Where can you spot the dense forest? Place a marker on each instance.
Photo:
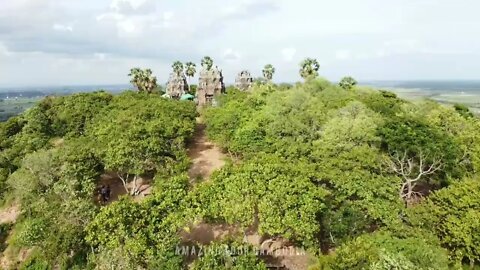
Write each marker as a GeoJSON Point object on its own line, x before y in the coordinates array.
{"type": "Point", "coordinates": [356, 177]}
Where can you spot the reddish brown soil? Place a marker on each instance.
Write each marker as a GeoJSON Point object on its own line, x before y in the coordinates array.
{"type": "Point", "coordinates": [206, 157]}
{"type": "Point", "coordinates": [9, 214]}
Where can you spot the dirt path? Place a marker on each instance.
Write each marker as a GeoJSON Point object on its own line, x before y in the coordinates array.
{"type": "Point", "coordinates": [9, 214]}
{"type": "Point", "coordinates": [206, 157]}
{"type": "Point", "coordinates": [275, 252]}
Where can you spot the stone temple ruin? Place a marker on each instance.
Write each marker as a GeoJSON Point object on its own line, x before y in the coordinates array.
{"type": "Point", "coordinates": [244, 80]}
{"type": "Point", "coordinates": [177, 85]}
{"type": "Point", "coordinates": [210, 84]}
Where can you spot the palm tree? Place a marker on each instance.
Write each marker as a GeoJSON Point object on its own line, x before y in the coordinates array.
{"type": "Point", "coordinates": [309, 68]}
{"type": "Point", "coordinates": [268, 72]}
{"type": "Point", "coordinates": [347, 83]}
{"type": "Point", "coordinates": [207, 62]}
{"type": "Point", "coordinates": [190, 70]}
{"type": "Point", "coordinates": [177, 67]}
{"type": "Point", "coordinates": [143, 79]}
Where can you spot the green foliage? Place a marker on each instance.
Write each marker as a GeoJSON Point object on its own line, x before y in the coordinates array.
{"type": "Point", "coordinates": [142, 233]}
{"type": "Point", "coordinates": [278, 191]}
{"type": "Point", "coordinates": [70, 115]}
{"type": "Point", "coordinates": [35, 262]}
{"type": "Point", "coordinates": [207, 62]}
{"type": "Point", "coordinates": [190, 69]}
{"type": "Point", "coordinates": [10, 128]}
{"type": "Point", "coordinates": [383, 102]}
{"type": "Point", "coordinates": [463, 110]}
{"type": "Point", "coordinates": [347, 83]}
{"type": "Point", "coordinates": [454, 215]}
{"type": "Point", "coordinates": [349, 163]}
{"type": "Point", "coordinates": [229, 255]}
{"type": "Point", "coordinates": [462, 130]}
{"type": "Point", "coordinates": [223, 121]}
{"type": "Point", "coordinates": [421, 142]}
{"type": "Point", "coordinates": [31, 232]}
{"type": "Point", "coordinates": [309, 68]}
{"type": "Point", "coordinates": [268, 72]}
{"type": "Point", "coordinates": [385, 251]}
{"type": "Point", "coordinates": [282, 123]}
{"type": "Point", "coordinates": [177, 67]}
{"type": "Point", "coordinates": [52, 158]}
{"type": "Point", "coordinates": [193, 89]}
{"type": "Point", "coordinates": [107, 259]}
{"type": "Point", "coordinates": [140, 134]}
{"type": "Point", "coordinates": [345, 142]}
{"type": "Point", "coordinates": [55, 189]}
{"type": "Point", "coordinates": [143, 80]}
{"type": "Point", "coordinates": [4, 232]}
{"type": "Point", "coordinates": [311, 164]}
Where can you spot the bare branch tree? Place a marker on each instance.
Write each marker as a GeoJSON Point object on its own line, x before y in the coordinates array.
{"type": "Point", "coordinates": [134, 191]}
{"type": "Point", "coordinates": [412, 170]}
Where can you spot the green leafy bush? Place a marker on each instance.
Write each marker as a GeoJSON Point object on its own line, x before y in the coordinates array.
{"type": "Point", "coordinates": [384, 251]}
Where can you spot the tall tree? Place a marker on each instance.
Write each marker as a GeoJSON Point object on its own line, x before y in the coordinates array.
{"type": "Point", "coordinates": [453, 214]}
{"type": "Point", "coordinates": [190, 70]}
{"type": "Point", "coordinates": [418, 151]}
{"type": "Point", "coordinates": [143, 80]}
{"type": "Point", "coordinates": [309, 68]}
{"type": "Point", "coordinates": [207, 62]}
{"type": "Point", "coordinates": [131, 147]}
{"type": "Point", "coordinates": [268, 72]}
{"type": "Point", "coordinates": [347, 83]}
{"type": "Point", "coordinates": [177, 67]}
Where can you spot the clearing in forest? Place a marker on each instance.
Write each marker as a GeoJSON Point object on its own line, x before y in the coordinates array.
{"type": "Point", "coordinates": [9, 214]}
{"type": "Point", "coordinates": [205, 156]}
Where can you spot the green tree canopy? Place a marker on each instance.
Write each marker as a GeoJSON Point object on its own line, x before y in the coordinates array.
{"type": "Point", "coordinates": [309, 68]}
{"type": "Point", "coordinates": [138, 134]}
{"type": "Point", "coordinates": [207, 62]}
{"type": "Point", "coordinates": [453, 214]}
{"type": "Point", "coordinates": [177, 67]}
{"type": "Point", "coordinates": [268, 72]}
{"type": "Point", "coordinates": [347, 83]}
{"type": "Point", "coordinates": [383, 251]}
{"type": "Point", "coordinates": [143, 80]}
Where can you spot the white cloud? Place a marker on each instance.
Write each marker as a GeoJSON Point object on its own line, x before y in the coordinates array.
{"type": "Point", "coordinates": [100, 56]}
{"type": "Point", "coordinates": [62, 27]}
{"type": "Point", "coordinates": [248, 9]}
{"type": "Point", "coordinates": [133, 6]}
{"type": "Point", "coordinates": [404, 37]}
{"type": "Point", "coordinates": [288, 54]}
{"type": "Point", "coordinates": [127, 26]}
{"type": "Point", "coordinates": [109, 16]}
{"type": "Point", "coordinates": [166, 20]}
{"type": "Point", "coordinates": [362, 56]}
{"type": "Point", "coordinates": [343, 54]}
{"type": "Point", "coordinates": [230, 54]}
{"type": "Point", "coordinates": [168, 15]}
{"type": "Point", "coordinates": [4, 51]}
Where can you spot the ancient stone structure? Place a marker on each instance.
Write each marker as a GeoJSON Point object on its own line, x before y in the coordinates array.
{"type": "Point", "coordinates": [210, 84]}
{"type": "Point", "coordinates": [244, 80]}
{"type": "Point", "coordinates": [177, 85]}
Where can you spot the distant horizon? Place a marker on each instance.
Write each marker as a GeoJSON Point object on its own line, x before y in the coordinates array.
{"type": "Point", "coordinates": [58, 43]}
{"type": "Point", "coordinates": [5, 87]}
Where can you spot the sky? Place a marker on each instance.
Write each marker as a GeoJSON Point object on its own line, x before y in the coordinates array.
{"type": "Point", "coordinates": [78, 42]}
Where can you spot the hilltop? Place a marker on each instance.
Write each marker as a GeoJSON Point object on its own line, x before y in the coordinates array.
{"type": "Point", "coordinates": [316, 175]}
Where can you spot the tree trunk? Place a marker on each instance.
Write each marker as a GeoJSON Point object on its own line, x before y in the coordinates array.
{"type": "Point", "coordinates": [124, 181]}
{"type": "Point", "coordinates": [134, 191]}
